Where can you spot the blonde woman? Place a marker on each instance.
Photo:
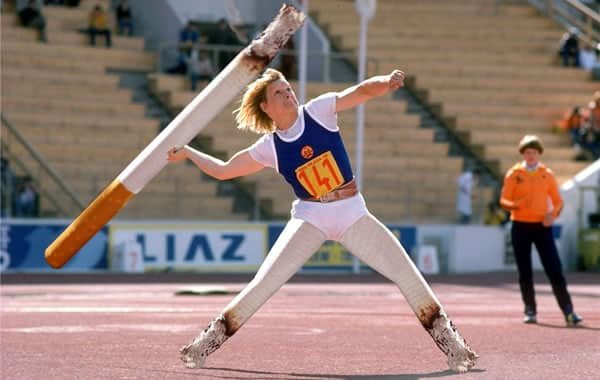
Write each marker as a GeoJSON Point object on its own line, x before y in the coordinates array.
{"type": "Point", "coordinates": [304, 145]}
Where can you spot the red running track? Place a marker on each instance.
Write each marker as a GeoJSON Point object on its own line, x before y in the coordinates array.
{"type": "Point", "coordinates": [98, 327]}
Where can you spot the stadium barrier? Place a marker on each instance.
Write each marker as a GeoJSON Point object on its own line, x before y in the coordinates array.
{"type": "Point", "coordinates": [240, 247]}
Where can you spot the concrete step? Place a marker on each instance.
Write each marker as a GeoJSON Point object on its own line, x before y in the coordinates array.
{"type": "Point", "coordinates": [112, 58]}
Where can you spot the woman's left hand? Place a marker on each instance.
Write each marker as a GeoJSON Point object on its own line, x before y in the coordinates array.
{"type": "Point", "coordinates": [396, 79]}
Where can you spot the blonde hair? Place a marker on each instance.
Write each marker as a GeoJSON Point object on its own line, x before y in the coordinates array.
{"type": "Point", "coordinates": [249, 116]}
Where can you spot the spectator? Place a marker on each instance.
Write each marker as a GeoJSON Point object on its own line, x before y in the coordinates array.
{"type": "Point", "coordinates": [124, 18]}
{"type": "Point", "coordinates": [188, 36]}
{"type": "Point", "coordinates": [223, 35]}
{"type": "Point", "coordinates": [466, 183]}
{"type": "Point", "coordinates": [98, 24]}
{"type": "Point", "coordinates": [575, 125]}
{"type": "Point", "coordinates": [27, 201]}
{"type": "Point", "coordinates": [569, 48]}
{"type": "Point", "coordinates": [7, 188]}
{"type": "Point", "coordinates": [494, 215]}
{"type": "Point", "coordinates": [587, 57]}
{"type": "Point", "coordinates": [595, 111]}
{"type": "Point", "coordinates": [31, 17]}
{"type": "Point", "coordinates": [288, 61]}
{"type": "Point", "coordinates": [592, 141]}
{"type": "Point", "coordinates": [199, 67]}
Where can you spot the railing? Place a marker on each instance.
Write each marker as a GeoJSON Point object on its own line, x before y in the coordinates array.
{"type": "Point", "coordinates": [168, 56]}
{"type": "Point", "coordinates": [60, 196]}
{"type": "Point", "coordinates": [572, 13]}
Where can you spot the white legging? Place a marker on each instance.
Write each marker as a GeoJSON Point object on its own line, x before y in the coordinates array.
{"type": "Point", "coordinates": [367, 238]}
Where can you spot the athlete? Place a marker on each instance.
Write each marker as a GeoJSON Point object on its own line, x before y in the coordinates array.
{"type": "Point", "coordinates": [304, 145]}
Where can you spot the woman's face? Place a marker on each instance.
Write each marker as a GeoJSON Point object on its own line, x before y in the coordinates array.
{"type": "Point", "coordinates": [280, 98]}
{"type": "Point", "coordinates": [531, 156]}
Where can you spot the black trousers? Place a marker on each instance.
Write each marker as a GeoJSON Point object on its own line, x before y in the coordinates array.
{"type": "Point", "coordinates": [93, 32]}
{"type": "Point", "coordinates": [523, 236]}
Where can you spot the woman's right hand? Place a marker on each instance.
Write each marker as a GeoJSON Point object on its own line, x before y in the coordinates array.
{"type": "Point", "coordinates": [176, 154]}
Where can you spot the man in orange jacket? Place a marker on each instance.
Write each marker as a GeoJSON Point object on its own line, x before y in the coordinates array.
{"type": "Point", "coordinates": [527, 187]}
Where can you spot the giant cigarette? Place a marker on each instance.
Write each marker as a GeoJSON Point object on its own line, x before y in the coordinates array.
{"type": "Point", "coordinates": [192, 119]}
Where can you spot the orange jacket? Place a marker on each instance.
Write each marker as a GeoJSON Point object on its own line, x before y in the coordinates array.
{"type": "Point", "coordinates": [526, 194]}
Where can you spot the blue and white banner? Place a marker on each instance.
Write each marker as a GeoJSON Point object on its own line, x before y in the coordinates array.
{"type": "Point", "coordinates": [23, 242]}
{"type": "Point", "coordinates": [209, 247]}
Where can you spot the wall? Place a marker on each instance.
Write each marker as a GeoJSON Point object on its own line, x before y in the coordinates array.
{"type": "Point", "coordinates": [236, 247]}
{"type": "Point", "coordinates": [156, 21]}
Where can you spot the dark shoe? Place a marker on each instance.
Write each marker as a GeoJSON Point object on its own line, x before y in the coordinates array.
{"type": "Point", "coordinates": [530, 318]}
{"type": "Point", "coordinates": [573, 319]}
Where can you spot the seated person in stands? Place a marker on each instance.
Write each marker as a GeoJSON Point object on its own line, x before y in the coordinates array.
{"type": "Point", "coordinates": [124, 18]}
{"type": "Point", "coordinates": [588, 58]}
{"type": "Point", "coordinates": [27, 201]}
{"type": "Point", "coordinates": [31, 17]}
{"type": "Point", "coordinates": [7, 188]}
{"type": "Point", "coordinates": [288, 61]}
{"type": "Point", "coordinates": [224, 35]}
{"type": "Point", "coordinates": [569, 48]}
{"type": "Point", "coordinates": [593, 135]}
{"type": "Point", "coordinates": [575, 125]}
{"type": "Point", "coordinates": [98, 24]}
{"type": "Point", "coordinates": [199, 67]}
{"type": "Point", "coordinates": [188, 36]}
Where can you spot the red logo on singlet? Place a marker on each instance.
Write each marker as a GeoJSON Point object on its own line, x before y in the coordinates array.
{"type": "Point", "coordinates": [307, 152]}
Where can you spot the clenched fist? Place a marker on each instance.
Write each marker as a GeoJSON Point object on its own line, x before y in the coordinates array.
{"type": "Point", "coordinates": [176, 154]}
{"type": "Point", "coordinates": [396, 79]}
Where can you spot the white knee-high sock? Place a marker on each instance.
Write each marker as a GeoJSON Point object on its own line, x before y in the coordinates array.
{"type": "Point", "coordinates": [298, 241]}
{"type": "Point", "coordinates": [374, 244]}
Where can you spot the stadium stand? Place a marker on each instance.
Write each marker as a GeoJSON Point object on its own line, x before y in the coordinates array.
{"type": "Point", "coordinates": [71, 110]}
{"type": "Point", "coordinates": [489, 68]}
{"type": "Point", "coordinates": [485, 80]}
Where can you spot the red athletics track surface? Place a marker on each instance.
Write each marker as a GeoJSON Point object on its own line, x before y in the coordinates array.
{"type": "Point", "coordinates": [315, 327]}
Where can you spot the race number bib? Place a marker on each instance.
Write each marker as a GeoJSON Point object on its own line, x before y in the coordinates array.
{"type": "Point", "coordinates": [320, 175]}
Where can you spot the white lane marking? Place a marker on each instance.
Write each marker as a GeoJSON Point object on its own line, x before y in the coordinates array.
{"type": "Point", "coordinates": [104, 309]}
{"type": "Point", "coordinates": [313, 331]}
{"type": "Point", "coordinates": [103, 328]}
{"type": "Point", "coordinates": [148, 327]}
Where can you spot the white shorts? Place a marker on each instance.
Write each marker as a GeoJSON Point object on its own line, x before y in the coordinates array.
{"type": "Point", "coordinates": [332, 218]}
